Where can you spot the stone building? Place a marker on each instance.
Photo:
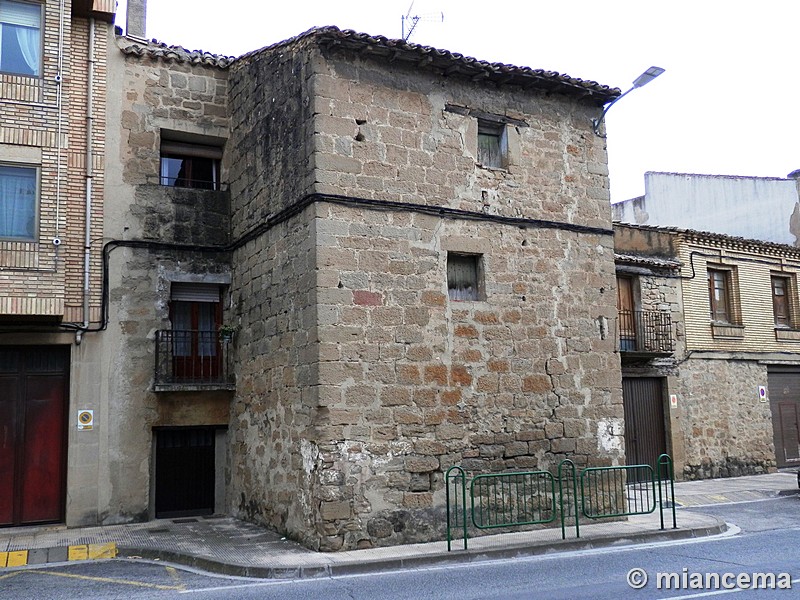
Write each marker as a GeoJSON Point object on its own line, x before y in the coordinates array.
{"type": "Point", "coordinates": [414, 249]}
{"type": "Point", "coordinates": [313, 278]}
{"type": "Point", "coordinates": [52, 163]}
{"type": "Point", "coordinates": [734, 375]}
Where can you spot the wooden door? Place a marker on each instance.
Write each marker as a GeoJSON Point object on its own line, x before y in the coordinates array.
{"type": "Point", "coordinates": [645, 433]}
{"type": "Point", "coordinates": [33, 434]}
{"type": "Point", "coordinates": [627, 321]}
{"type": "Point", "coordinates": [784, 396]}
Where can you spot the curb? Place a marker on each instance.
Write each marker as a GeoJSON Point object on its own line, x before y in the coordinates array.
{"type": "Point", "coordinates": [41, 556]}
{"type": "Point", "coordinates": [444, 558]}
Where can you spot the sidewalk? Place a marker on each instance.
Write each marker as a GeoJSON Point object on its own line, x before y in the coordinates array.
{"type": "Point", "coordinates": [228, 546]}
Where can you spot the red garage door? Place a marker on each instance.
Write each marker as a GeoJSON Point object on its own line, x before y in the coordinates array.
{"type": "Point", "coordinates": [33, 403]}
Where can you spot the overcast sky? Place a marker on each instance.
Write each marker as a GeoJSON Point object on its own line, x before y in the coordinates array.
{"type": "Point", "coordinates": [724, 105]}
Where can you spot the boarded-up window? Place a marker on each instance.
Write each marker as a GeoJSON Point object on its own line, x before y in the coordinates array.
{"type": "Point", "coordinates": [464, 276]}
{"type": "Point", "coordinates": [492, 144]}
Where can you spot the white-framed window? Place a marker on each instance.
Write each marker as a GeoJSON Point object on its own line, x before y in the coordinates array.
{"type": "Point", "coordinates": [20, 37]}
{"type": "Point", "coordinates": [18, 201]}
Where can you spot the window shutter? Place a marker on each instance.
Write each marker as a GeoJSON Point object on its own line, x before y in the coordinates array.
{"type": "Point", "coordinates": [195, 292]}
{"type": "Point", "coordinates": [183, 149]}
{"type": "Point", "coordinates": [20, 13]}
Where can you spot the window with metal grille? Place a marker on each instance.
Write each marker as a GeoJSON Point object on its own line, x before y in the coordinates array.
{"type": "Point", "coordinates": [464, 276]}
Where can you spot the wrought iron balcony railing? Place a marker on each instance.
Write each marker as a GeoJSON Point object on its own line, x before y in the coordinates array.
{"type": "Point", "coordinates": [191, 359]}
{"type": "Point", "coordinates": [645, 332]}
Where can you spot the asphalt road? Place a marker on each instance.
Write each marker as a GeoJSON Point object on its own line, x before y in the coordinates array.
{"type": "Point", "coordinates": [769, 542]}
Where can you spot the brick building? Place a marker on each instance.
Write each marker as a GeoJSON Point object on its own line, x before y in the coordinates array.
{"type": "Point", "coordinates": [734, 374]}
{"type": "Point", "coordinates": [52, 131]}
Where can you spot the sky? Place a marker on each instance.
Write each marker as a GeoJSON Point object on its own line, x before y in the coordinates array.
{"type": "Point", "coordinates": [723, 107]}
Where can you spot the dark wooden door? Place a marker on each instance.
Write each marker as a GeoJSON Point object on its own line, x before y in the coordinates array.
{"type": "Point", "coordinates": [33, 403]}
{"type": "Point", "coordinates": [645, 434]}
{"type": "Point", "coordinates": [185, 471]}
{"type": "Point", "coordinates": [784, 396]}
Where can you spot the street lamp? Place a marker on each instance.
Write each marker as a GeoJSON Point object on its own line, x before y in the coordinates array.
{"type": "Point", "coordinates": [640, 81]}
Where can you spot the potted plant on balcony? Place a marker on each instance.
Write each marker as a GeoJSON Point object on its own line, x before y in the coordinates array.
{"type": "Point", "coordinates": [226, 332]}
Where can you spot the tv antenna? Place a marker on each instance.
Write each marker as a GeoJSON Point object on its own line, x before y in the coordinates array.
{"type": "Point", "coordinates": [408, 22]}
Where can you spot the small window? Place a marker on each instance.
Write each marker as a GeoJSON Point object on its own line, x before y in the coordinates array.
{"type": "Point", "coordinates": [781, 301]}
{"type": "Point", "coordinates": [190, 165]}
{"type": "Point", "coordinates": [720, 295]}
{"type": "Point", "coordinates": [20, 39]}
{"type": "Point", "coordinates": [464, 276]}
{"type": "Point", "coordinates": [18, 202]}
{"type": "Point", "coordinates": [492, 144]}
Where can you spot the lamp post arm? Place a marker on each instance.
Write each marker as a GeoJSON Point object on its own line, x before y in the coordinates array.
{"type": "Point", "coordinates": [596, 123]}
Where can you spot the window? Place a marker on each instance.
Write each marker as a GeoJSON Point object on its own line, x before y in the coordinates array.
{"type": "Point", "coordinates": [464, 276]}
{"type": "Point", "coordinates": [190, 165]}
{"type": "Point", "coordinates": [196, 314]}
{"type": "Point", "coordinates": [719, 295]}
{"type": "Point", "coordinates": [18, 202]}
{"type": "Point", "coordinates": [492, 144]}
{"type": "Point", "coordinates": [20, 43]}
{"type": "Point", "coordinates": [780, 301]}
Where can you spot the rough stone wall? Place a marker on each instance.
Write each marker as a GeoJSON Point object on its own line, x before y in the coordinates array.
{"type": "Point", "coordinates": [359, 381]}
{"type": "Point", "coordinates": [727, 432]}
{"type": "Point", "coordinates": [413, 383]}
{"type": "Point", "coordinates": [276, 393]}
{"type": "Point", "coordinates": [146, 96]}
{"type": "Point", "coordinates": [274, 296]}
{"type": "Point", "coordinates": [270, 151]}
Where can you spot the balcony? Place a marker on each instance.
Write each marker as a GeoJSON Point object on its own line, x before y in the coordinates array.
{"type": "Point", "coordinates": [645, 333]}
{"type": "Point", "coordinates": [192, 361]}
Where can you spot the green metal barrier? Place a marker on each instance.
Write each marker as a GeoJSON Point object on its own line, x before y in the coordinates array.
{"type": "Point", "coordinates": [511, 499]}
{"type": "Point", "coordinates": [617, 491]}
{"type": "Point", "coordinates": [456, 502]}
{"type": "Point", "coordinates": [664, 471]}
{"type": "Point", "coordinates": [568, 509]}
{"type": "Point", "coordinates": [529, 498]}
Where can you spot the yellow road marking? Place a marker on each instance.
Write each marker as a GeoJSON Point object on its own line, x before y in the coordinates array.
{"type": "Point", "coordinates": [10, 575]}
{"type": "Point", "coordinates": [154, 586]}
{"type": "Point", "coordinates": [3, 559]}
{"type": "Point", "coordinates": [173, 573]}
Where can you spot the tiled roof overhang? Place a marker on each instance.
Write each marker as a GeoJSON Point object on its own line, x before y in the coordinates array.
{"type": "Point", "coordinates": [447, 63]}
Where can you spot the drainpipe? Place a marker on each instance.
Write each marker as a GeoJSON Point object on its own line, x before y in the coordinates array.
{"type": "Point", "coordinates": [87, 241]}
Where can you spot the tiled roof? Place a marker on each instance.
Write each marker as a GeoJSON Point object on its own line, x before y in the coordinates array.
{"type": "Point", "coordinates": [443, 62]}
{"type": "Point", "coordinates": [158, 50]}
{"type": "Point", "coordinates": [446, 62]}
{"type": "Point", "coordinates": [652, 261]}
{"type": "Point", "coordinates": [720, 239]}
